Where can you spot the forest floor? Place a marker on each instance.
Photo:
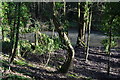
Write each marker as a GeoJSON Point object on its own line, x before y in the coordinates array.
{"type": "Point", "coordinates": [33, 66]}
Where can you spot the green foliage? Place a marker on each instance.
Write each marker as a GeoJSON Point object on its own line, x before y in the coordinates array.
{"type": "Point", "coordinates": [105, 43]}
{"type": "Point", "coordinates": [59, 5]}
{"type": "Point", "coordinates": [20, 62]}
{"type": "Point", "coordinates": [111, 21]}
{"type": "Point", "coordinates": [24, 45]}
{"type": "Point", "coordinates": [4, 62]}
{"type": "Point", "coordinates": [1, 14]}
{"type": "Point", "coordinates": [66, 25]}
{"type": "Point", "coordinates": [73, 75]}
{"type": "Point", "coordinates": [110, 10]}
{"type": "Point", "coordinates": [116, 26]}
{"type": "Point", "coordinates": [47, 44]}
{"type": "Point", "coordinates": [33, 27]}
{"type": "Point", "coordinates": [9, 16]}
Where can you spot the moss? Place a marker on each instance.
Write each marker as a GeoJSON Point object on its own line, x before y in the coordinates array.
{"type": "Point", "coordinates": [73, 75]}
{"type": "Point", "coordinates": [20, 62]}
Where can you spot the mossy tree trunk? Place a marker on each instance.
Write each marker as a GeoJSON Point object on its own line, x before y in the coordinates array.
{"type": "Point", "coordinates": [66, 66]}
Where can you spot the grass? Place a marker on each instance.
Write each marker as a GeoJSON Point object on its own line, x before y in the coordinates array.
{"type": "Point", "coordinates": [22, 63]}
{"type": "Point", "coordinates": [73, 75]}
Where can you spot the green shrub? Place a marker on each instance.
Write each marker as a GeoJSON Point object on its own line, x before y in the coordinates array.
{"type": "Point", "coordinates": [24, 45]}
{"type": "Point", "coordinates": [47, 44]}
{"type": "Point", "coordinates": [105, 43]}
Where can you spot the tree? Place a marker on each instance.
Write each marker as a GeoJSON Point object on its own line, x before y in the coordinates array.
{"type": "Point", "coordinates": [17, 33]}
{"type": "Point", "coordinates": [12, 26]}
{"type": "Point", "coordinates": [66, 66]}
{"type": "Point", "coordinates": [81, 10]}
{"type": "Point", "coordinates": [1, 15]}
{"type": "Point", "coordinates": [89, 20]}
{"type": "Point", "coordinates": [111, 27]}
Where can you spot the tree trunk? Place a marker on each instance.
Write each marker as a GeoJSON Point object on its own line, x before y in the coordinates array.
{"type": "Point", "coordinates": [64, 7]}
{"type": "Point", "coordinates": [66, 30]}
{"type": "Point", "coordinates": [3, 34]}
{"type": "Point", "coordinates": [65, 67]}
{"type": "Point", "coordinates": [36, 10]}
{"type": "Point", "coordinates": [109, 48]}
{"type": "Point", "coordinates": [85, 28]}
{"type": "Point", "coordinates": [88, 37]}
{"type": "Point", "coordinates": [17, 35]}
{"type": "Point", "coordinates": [80, 23]}
{"type": "Point", "coordinates": [36, 38]}
{"type": "Point", "coordinates": [1, 14]}
{"type": "Point", "coordinates": [12, 33]}
{"type": "Point", "coordinates": [86, 23]}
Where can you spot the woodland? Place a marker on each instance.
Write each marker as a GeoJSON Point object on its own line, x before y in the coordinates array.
{"type": "Point", "coordinates": [60, 40]}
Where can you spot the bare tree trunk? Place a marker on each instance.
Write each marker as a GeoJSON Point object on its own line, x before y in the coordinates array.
{"type": "Point", "coordinates": [36, 38]}
{"type": "Point", "coordinates": [36, 10]}
{"type": "Point", "coordinates": [109, 52]}
{"type": "Point", "coordinates": [64, 7]}
{"type": "Point", "coordinates": [1, 13]}
{"type": "Point", "coordinates": [66, 30]}
{"type": "Point", "coordinates": [86, 31]}
{"type": "Point", "coordinates": [88, 37]}
{"type": "Point", "coordinates": [80, 23]}
{"type": "Point", "coordinates": [3, 34]}
{"type": "Point", "coordinates": [109, 48]}
{"type": "Point", "coordinates": [53, 30]}
{"type": "Point", "coordinates": [86, 18]}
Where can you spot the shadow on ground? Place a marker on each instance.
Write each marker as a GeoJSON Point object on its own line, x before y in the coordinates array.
{"type": "Point", "coordinates": [95, 68]}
